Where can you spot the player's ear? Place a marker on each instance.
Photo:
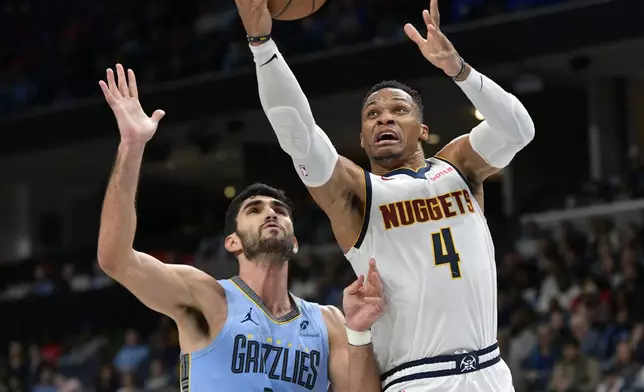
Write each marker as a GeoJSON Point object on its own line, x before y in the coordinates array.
{"type": "Point", "coordinates": [233, 244]}
{"type": "Point", "coordinates": [424, 132]}
{"type": "Point", "coordinates": [361, 140]}
{"type": "Point", "coordinates": [296, 246]}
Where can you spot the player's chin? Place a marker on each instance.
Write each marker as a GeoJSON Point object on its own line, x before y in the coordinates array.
{"type": "Point", "coordinates": [273, 232]}
{"type": "Point", "coordinates": [387, 151]}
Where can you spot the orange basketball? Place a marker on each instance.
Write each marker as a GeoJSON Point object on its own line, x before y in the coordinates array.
{"type": "Point", "coordinates": [293, 9]}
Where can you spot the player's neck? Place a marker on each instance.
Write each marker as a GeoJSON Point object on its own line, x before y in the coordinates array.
{"type": "Point", "coordinates": [415, 162]}
{"type": "Point", "coordinates": [270, 282]}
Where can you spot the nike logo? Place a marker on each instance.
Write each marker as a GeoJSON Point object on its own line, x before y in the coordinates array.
{"type": "Point", "coordinates": [274, 57]}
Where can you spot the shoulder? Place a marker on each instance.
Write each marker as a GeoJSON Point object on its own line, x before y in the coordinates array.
{"type": "Point", "coordinates": [334, 320]}
{"type": "Point", "coordinates": [332, 314]}
{"type": "Point", "coordinates": [333, 317]}
{"type": "Point", "coordinates": [197, 280]}
{"type": "Point", "coordinates": [353, 170]}
{"type": "Point", "coordinates": [191, 273]}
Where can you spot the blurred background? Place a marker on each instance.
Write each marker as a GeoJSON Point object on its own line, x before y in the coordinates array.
{"type": "Point", "coordinates": [566, 216]}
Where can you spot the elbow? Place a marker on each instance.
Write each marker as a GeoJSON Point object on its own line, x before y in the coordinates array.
{"type": "Point", "coordinates": [110, 261]}
{"type": "Point", "coordinates": [106, 262]}
{"type": "Point", "coordinates": [524, 123]}
{"type": "Point", "coordinates": [528, 130]}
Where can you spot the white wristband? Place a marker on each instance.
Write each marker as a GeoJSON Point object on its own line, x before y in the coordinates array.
{"type": "Point", "coordinates": [358, 338]}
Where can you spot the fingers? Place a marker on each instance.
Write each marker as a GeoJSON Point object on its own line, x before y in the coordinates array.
{"type": "Point", "coordinates": [106, 92]}
{"type": "Point", "coordinates": [111, 83]}
{"type": "Point", "coordinates": [372, 265]}
{"type": "Point", "coordinates": [427, 18]}
{"type": "Point", "coordinates": [134, 90]}
{"type": "Point", "coordinates": [122, 81]}
{"type": "Point", "coordinates": [125, 86]}
{"type": "Point", "coordinates": [437, 39]}
{"type": "Point", "coordinates": [354, 287]}
{"type": "Point", "coordinates": [157, 115]}
{"type": "Point", "coordinates": [374, 276]}
{"type": "Point", "coordinates": [435, 14]}
{"type": "Point", "coordinates": [413, 34]}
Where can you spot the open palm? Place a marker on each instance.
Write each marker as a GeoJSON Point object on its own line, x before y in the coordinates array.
{"type": "Point", "coordinates": [135, 126]}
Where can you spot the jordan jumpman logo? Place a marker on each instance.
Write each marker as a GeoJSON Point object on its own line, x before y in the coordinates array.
{"type": "Point", "coordinates": [248, 317]}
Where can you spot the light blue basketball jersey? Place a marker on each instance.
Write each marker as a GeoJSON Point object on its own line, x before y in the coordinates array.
{"type": "Point", "coordinates": [255, 352]}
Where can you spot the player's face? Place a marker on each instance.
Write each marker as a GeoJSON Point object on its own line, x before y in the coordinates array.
{"type": "Point", "coordinates": [391, 127]}
{"type": "Point", "coordinates": [264, 227]}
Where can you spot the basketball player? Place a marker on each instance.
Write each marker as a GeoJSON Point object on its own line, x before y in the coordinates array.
{"type": "Point", "coordinates": [246, 333]}
{"type": "Point", "coordinates": [422, 219]}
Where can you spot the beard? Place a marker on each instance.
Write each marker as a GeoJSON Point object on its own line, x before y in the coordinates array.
{"type": "Point", "coordinates": [271, 249]}
{"type": "Point", "coordinates": [387, 157]}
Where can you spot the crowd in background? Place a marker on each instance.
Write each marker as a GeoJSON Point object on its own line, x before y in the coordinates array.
{"type": "Point", "coordinates": [568, 316]}
{"type": "Point", "coordinates": [568, 319]}
{"type": "Point", "coordinates": [57, 56]}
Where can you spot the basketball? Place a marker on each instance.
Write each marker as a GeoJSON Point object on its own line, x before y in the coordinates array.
{"type": "Point", "coordinates": [293, 9]}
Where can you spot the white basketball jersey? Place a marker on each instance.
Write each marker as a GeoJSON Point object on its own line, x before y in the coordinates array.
{"type": "Point", "coordinates": [434, 251]}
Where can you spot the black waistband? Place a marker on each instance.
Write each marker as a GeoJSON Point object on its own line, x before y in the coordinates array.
{"type": "Point", "coordinates": [465, 363]}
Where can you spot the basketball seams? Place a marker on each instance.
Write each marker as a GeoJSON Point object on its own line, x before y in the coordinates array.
{"type": "Point", "coordinates": [288, 4]}
{"type": "Point", "coordinates": [297, 7]}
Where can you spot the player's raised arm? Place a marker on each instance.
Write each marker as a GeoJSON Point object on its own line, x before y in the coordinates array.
{"type": "Point", "coordinates": [507, 127]}
{"type": "Point", "coordinates": [331, 180]}
{"type": "Point", "coordinates": [159, 286]}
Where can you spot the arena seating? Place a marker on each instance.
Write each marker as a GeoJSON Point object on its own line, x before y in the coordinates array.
{"type": "Point", "coordinates": [59, 59]}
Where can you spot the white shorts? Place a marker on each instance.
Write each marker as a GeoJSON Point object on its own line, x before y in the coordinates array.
{"type": "Point", "coordinates": [496, 378]}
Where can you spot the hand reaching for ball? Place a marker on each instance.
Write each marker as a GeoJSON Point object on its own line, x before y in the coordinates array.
{"type": "Point", "coordinates": [255, 16]}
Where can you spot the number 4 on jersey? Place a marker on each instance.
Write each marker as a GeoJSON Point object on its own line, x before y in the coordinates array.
{"type": "Point", "coordinates": [445, 253]}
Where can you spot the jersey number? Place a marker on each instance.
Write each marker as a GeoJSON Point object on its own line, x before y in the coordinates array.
{"type": "Point", "coordinates": [444, 252]}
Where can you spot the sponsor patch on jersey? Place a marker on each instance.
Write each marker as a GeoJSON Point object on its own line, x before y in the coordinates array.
{"type": "Point", "coordinates": [307, 330]}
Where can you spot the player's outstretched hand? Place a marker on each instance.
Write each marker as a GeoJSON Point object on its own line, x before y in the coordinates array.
{"type": "Point", "coordinates": [364, 300]}
{"type": "Point", "coordinates": [123, 97]}
{"type": "Point", "coordinates": [436, 47]}
{"type": "Point", "coordinates": [255, 16]}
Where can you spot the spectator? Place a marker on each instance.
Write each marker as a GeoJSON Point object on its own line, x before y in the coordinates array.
{"type": "Point", "coordinates": [588, 338]}
{"type": "Point", "coordinates": [46, 381]}
{"type": "Point", "coordinates": [541, 361]}
{"type": "Point", "coordinates": [130, 356]}
{"type": "Point", "coordinates": [575, 371]}
{"type": "Point", "coordinates": [623, 363]}
{"type": "Point", "coordinates": [612, 382]}
{"type": "Point", "coordinates": [42, 285]}
{"type": "Point", "coordinates": [158, 380]}
{"type": "Point", "coordinates": [107, 381]}
{"type": "Point", "coordinates": [18, 367]}
{"type": "Point", "coordinates": [64, 384]}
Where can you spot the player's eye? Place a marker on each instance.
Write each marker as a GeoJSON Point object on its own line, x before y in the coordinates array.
{"type": "Point", "coordinates": [281, 211]}
{"type": "Point", "coordinates": [401, 109]}
{"type": "Point", "coordinates": [371, 114]}
{"type": "Point", "coordinates": [252, 210]}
